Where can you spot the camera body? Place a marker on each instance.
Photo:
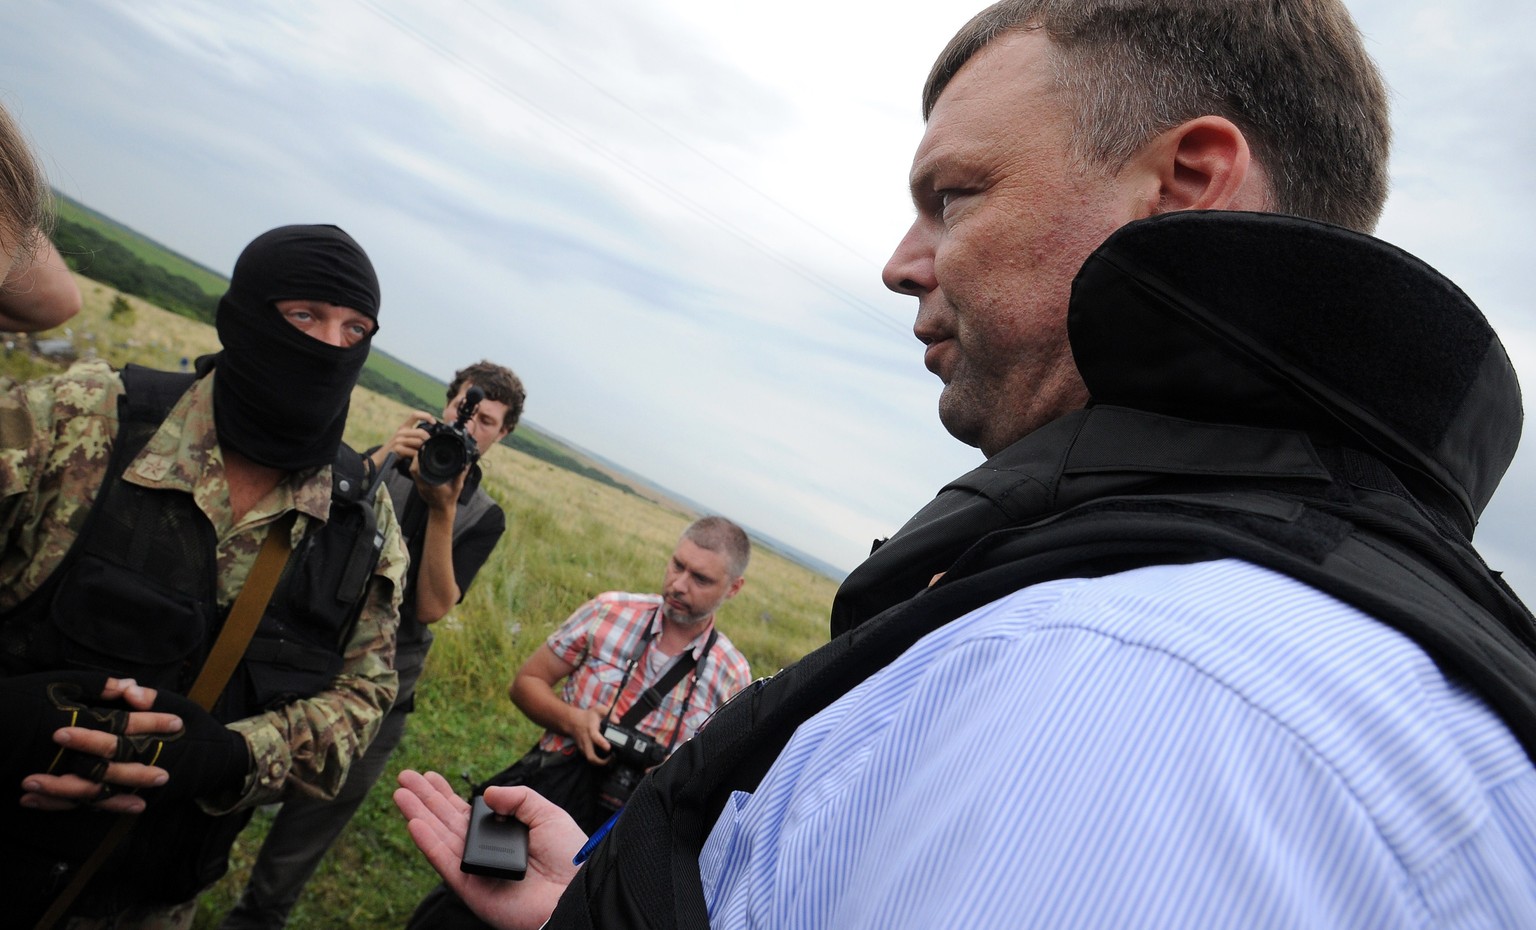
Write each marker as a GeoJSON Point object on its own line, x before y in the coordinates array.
{"type": "Point", "coordinates": [631, 753]}
{"type": "Point", "coordinates": [449, 449]}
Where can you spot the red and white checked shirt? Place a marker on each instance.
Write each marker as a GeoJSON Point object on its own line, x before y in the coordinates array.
{"type": "Point", "coordinates": [606, 634]}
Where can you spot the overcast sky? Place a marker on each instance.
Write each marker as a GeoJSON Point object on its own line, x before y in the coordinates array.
{"type": "Point", "coordinates": [669, 216]}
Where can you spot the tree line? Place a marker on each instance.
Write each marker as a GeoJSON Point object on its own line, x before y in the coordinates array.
{"type": "Point", "coordinates": [89, 252]}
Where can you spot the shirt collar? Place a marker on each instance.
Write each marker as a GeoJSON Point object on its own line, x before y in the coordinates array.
{"type": "Point", "coordinates": [183, 455]}
{"type": "Point", "coordinates": [695, 645]}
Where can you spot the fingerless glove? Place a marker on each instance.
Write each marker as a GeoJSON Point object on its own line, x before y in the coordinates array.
{"type": "Point", "coordinates": [205, 759]}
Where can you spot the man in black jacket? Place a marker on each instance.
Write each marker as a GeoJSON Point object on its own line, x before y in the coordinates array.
{"type": "Point", "coordinates": [136, 508]}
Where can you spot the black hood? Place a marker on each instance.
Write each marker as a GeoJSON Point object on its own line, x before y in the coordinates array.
{"type": "Point", "coordinates": [281, 397]}
{"type": "Point", "coordinates": [1273, 320]}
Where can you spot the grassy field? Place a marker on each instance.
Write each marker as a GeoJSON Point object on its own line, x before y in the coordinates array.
{"type": "Point", "coordinates": [568, 538]}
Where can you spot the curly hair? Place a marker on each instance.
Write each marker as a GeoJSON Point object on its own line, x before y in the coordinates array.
{"type": "Point", "coordinates": [498, 383]}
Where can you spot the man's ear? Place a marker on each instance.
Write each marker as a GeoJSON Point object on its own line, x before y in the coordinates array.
{"type": "Point", "coordinates": [735, 587]}
{"type": "Point", "coordinates": [1205, 164]}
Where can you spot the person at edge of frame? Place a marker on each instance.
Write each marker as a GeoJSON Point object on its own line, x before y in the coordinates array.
{"type": "Point", "coordinates": [1204, 642]}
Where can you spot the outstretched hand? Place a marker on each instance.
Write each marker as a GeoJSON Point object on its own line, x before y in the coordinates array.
{"type": "Point", "coordinates": [439, 818]}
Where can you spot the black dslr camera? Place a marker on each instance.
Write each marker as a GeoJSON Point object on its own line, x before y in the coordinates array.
{"type": "Point", "coordinates": [449, 448]}
{"type": "Point", "coordinates": [631, 753]}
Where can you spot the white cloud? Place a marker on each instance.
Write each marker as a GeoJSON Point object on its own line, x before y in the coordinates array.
{"type": "Point", "coordinates": [670, 215]}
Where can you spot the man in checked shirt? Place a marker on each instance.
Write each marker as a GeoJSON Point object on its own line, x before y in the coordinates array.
{"type": "Point", "coordinates": [613, 652]}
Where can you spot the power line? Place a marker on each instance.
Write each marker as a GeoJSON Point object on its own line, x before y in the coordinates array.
{"type": "Point", "coordinates": [661, 128]}
{"type": "Point", "coordinates": [597, 147]}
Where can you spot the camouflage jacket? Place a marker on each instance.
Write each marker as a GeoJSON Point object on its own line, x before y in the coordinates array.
{"type": "Point", "coordinates": [56, 437]}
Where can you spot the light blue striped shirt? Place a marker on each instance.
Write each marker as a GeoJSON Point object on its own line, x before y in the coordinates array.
{"type": "Point", "coordinates": [1200, 746]}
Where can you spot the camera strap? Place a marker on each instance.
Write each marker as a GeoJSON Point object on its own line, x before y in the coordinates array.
{"type": "Point", "coordinates": [651, 699]}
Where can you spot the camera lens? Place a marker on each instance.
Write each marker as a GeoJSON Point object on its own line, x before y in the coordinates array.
{"type": "Point", "coordinates": [442, 457]}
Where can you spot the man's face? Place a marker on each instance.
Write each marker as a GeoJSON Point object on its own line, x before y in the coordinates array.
{"type": "Point", "coordinates": [487, 426]}
{"type": "Point", "coordinates": [332, 324]}
{"type": "Point", "coordinates": [1005, 218]}
{"type": "Point", "coordinates": [697, 582]}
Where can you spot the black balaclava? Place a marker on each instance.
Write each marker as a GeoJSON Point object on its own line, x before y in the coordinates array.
{"type": "Point", "coordinates": [280, 397]}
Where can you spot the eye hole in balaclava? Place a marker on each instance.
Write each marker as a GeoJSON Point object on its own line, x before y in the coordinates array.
{"type": "Point", "coordinates": [280, 397]}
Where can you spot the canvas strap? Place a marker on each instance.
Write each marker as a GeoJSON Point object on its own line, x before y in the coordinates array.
{"type": "Point", "coordinates": [239, 627]}
{"type": "Point", "coordinates": [245, 615]}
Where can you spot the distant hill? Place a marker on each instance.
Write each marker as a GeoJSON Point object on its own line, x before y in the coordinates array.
{"type": "Point", "coordinates": [205, 279]}
{"type": "Point", "coordinates": [684, 504]}
{"type": "Point", "coordinates": [95, 246]}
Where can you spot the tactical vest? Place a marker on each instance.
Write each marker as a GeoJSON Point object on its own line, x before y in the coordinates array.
{"type": "Point", "coordinates": [1340, 524]}
{"type": "Point", "coordinates": [1266, 388]}
{"type": "Point", "coordinates": [145, 561]}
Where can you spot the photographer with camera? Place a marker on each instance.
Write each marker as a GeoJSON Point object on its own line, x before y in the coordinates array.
{"type": "Point", "coordinates": [450, 525]}
{"type": "Point", "coordinates": [641, 673]}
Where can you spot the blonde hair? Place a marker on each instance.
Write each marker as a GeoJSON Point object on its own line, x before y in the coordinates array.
{"type": "Point", "coordinates": [25, 201]}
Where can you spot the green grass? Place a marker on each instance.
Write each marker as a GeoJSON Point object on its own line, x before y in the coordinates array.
{"type": "Point", "coordinates": [568, 538]}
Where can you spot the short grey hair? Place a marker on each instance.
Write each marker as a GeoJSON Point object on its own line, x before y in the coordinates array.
{"type": "Point", "coordinates": [717, 534]}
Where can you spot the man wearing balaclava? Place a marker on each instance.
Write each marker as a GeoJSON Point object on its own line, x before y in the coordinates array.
{"type": "Point", "coordinates": [133, 505]}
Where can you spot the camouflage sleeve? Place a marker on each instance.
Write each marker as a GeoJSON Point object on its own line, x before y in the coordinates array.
{"type": "Point", "coordinates": [55, 442]}
{"type": "Point", "coordinates": [21, 437]}
{"type": "Point", "coordinates": [307, 747]}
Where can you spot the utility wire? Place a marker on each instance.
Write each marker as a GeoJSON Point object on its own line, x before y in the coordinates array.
{"type": "Point", "coordinates": [661, 128]}
{"type": "Point", "coordinates": [474, 70]}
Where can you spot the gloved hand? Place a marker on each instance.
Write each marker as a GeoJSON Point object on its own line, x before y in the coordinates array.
{"type": "Point", "coordinates": [199, 755]}
{"type": "Point", "coordinates": [205, 759]}
{"type": "Point", "coordinates": [38, 704]}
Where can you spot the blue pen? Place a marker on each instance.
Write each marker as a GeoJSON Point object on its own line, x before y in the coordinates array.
{"type": "Point", "coordinates": [591, 844]}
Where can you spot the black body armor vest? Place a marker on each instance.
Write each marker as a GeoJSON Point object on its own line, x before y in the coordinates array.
{"type": "Point", "coordinates": [1360, 479]}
